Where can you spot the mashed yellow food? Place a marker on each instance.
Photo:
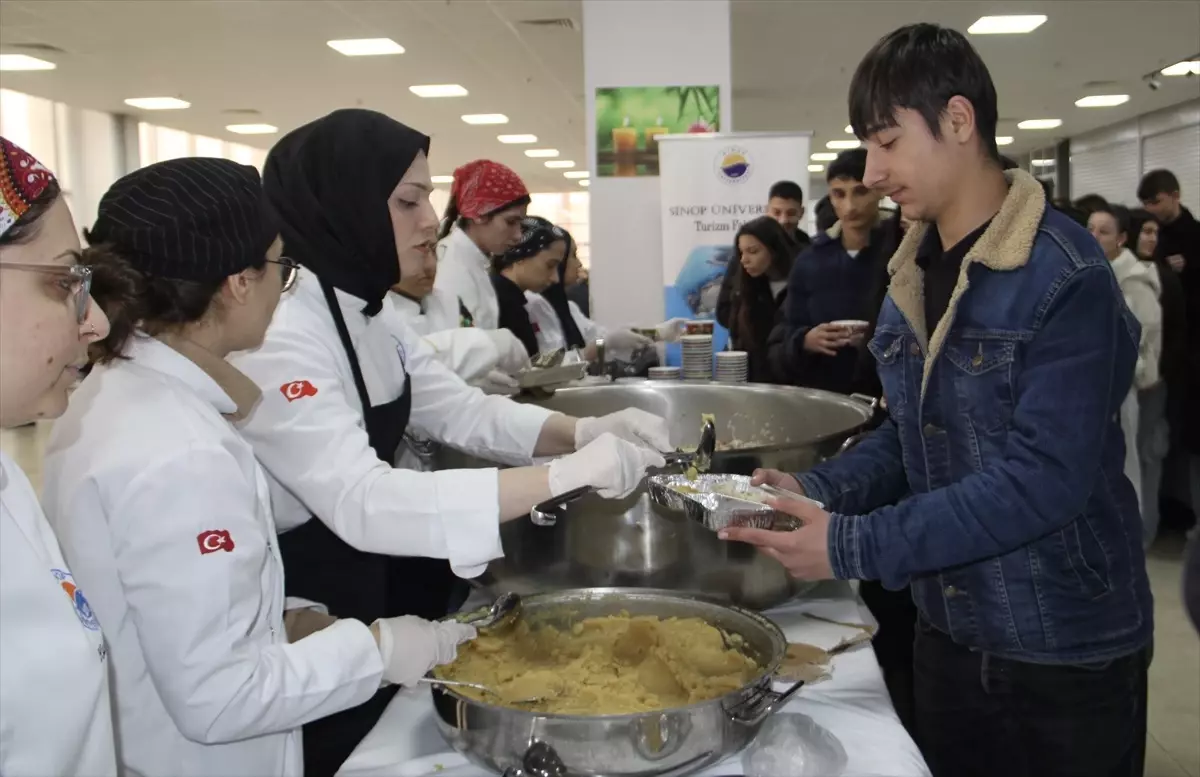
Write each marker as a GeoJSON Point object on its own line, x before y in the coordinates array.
{"type": "Point", "coordinates": [605, 666]}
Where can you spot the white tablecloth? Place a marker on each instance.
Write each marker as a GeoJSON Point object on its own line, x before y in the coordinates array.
{"type": "Point", "coordinates": [853, 705]}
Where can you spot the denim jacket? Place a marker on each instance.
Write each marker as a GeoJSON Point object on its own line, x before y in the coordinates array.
{"type": "Point", "coordinates": [996, 488]}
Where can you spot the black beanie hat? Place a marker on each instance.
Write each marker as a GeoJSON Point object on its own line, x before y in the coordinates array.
{"type": "Point", "coordinates": [191, 219]}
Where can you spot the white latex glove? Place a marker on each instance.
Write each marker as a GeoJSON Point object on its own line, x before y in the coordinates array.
{"type": "Point", "coordinates": [411, 646]}
{"type": "Point", "coordinates": [625, 340]}
{"type": "Point", "coordinates": [636, 426]}
{"type": "Point", "coordinates": [501, 379]}
{"type": "Point", "coordinates": [612, 466]}
{"type": "Point", "coordinates": [513, 356]}
{"type": "Point", "coordinates": [671, 331]}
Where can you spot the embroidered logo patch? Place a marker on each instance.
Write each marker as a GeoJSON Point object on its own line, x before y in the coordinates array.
{"type": "Point", "coordinates": [213, 540]}
{"type": "Point", "coordinates": [298, 389]}
{"type": "Point", "coordinates": [83, 610]}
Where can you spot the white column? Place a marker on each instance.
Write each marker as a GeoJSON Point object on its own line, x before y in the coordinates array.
{"type": "Point", "coordinates": [643, 43]}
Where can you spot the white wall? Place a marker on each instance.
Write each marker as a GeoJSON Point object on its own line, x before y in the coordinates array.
{"type": "Point", "coordinates": [1111, 161]}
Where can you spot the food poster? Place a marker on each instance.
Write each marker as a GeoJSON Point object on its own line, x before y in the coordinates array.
{"type": "Point", "coordinates": [630, 120]}
{"type": "Point", "coordinates": [710, 186]}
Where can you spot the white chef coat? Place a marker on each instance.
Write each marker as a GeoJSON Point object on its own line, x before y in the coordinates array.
{"type": "Point", "coordinates": [468, 352]}
{"type": "Point", "coordinates": [308, 431]}
{"type": "Point", "coordinates": [465, 272]}
{"type": "Point", "coordinates": [55, 714]}
{"type": "Point", "coordinates": [166, 516]}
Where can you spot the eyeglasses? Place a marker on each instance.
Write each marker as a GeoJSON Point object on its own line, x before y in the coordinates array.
{"type": "Point", "coordinates": [76, 280]}
{"type": "Point", "coordinates": [290, 270]}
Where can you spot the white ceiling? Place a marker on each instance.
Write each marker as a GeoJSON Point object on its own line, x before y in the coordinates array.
{"type": "Point", "coordinates": [791, 69]}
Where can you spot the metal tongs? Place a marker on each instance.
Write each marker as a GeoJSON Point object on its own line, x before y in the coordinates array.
{"type": "Point", "coordinates": [547, 513]}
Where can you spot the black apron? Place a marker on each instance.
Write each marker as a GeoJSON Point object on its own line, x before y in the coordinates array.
{"type": "Point", "coordinates": [320, 566]}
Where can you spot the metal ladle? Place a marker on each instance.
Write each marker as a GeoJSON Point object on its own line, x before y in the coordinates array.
{"type": "Point", "coordinates": [501, 616]}
{"type": "Point", "coordinates": [547, 513]}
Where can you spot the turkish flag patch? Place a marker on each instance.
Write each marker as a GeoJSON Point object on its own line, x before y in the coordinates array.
{"type": "Point", "coordinates": [213, 540]}
{"type": "Point", "coordinates": [297, 389]}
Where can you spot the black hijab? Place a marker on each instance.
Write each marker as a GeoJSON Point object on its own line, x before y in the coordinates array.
{"type": "Point", "coordinates": [556, 295]}
{"type": "Point", "coordinates": [329, 182]}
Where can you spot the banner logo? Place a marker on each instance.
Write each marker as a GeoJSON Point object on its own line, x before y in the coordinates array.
{"type": "Point", "coordinates": [733, 164]}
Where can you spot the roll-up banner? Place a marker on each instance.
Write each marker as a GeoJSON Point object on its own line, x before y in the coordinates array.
{"type": "Point", "coordinates": [711, 185]}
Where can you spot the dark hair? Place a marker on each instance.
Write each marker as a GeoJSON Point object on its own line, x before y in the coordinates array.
{"type": "Point", "coordinates": [1090, 203]}
{"type": "Point", "coordinates": [920, 67]}
{"type": "Point", "coordinates": [1157, 182]}
{"type": "Point", "coordinates": [24, 228]}
{"type": "Point", "coordinates": [133, 300]}
{"type": "Point", "coordinates": [825, 214]}
{"type": "Point", "coordinates": [786, 190]}
{"type": "Point", "coordinates": [750, 292]}
{"type": "Point", "coordinates": [1075, 214]}
{"type": "Point", "coordinates": [850, 164]}
{"type": "Point", "coordinates": [451, 218]}
{"type": "Point", "coordinates": [1120, 215]}
{"type": "Point", "coordinates": [1047, 188]}
{"type": "Point", "coordinates": [1138, 218]}
{"type": "Point", "coordinates": [1008, 163]}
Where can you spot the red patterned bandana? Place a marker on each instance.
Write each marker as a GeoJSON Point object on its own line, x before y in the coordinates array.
{"type": "Point", "coordinates": [482, 187]}
{"type": "Point", "coordinates": [22, 181]}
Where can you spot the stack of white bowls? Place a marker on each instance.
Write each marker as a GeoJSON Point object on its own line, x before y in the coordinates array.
{"type": "Point", "coordinates": [697, 357]}
{"type": "Point", "coordinates": [733, 366]}
{"type": "Point", "coordinates": [665, 373]}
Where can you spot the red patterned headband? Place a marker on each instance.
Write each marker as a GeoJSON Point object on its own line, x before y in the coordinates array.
{"type": "Point", "coordinates": [482, 187]}
{"type": "Point", "coordinates": [22, 181]}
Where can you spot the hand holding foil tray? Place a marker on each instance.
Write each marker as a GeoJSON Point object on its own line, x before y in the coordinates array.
{"type": "Point", "coordinates": [720, 501]}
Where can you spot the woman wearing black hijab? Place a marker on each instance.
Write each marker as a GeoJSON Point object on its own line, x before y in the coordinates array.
{"type": "Point", "coordinates": [533, 265]}
{"type": "Point", "coordinates": [343, 376]}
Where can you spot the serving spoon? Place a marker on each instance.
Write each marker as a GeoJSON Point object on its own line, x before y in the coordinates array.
{"type": "Point", "coordinates": [484, 688]}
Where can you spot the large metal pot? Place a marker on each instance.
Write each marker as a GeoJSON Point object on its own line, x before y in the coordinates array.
{"type": "Point", "coordinates": [670, 742]}
{"type": "Point", "coordinates": [633, 542]}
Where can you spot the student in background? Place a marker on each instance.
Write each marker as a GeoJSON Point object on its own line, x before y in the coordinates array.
{"type": "Point", "coordinates": [529, 266]}
{"type": "Point", "coordinates": [1140, 286]}
{"type": "Point", "coordinates": [832, 281]}
{"type": "Point", "coordinates": [1179, 246]}
{"type": "Point", "coordinates": [763, 254]}
{"type": "Point", "coordinates": [785, 204]}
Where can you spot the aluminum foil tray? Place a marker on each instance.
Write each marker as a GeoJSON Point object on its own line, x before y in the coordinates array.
{"type": "Point", "coordinates": [551, 376]}
{"type": "Point", "coordinates": [719, 501]}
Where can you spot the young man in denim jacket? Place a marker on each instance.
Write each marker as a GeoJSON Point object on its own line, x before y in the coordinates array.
{"type": "Point", "coordinates": [996, 488]}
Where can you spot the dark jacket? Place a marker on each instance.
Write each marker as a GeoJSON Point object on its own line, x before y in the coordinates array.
{"type": "Point", "coordinates": [1182, 237]}
{"type": "Point", "coordinates": [513, 315]}
{"type": "Point", "coordinates": [750, 314]}
{"type": "Point", "coordinates": [827, 284]}
{"type": "Point", "coordinates": [997, 487]}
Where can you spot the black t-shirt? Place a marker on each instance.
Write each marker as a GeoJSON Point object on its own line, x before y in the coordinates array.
{"type": "Point", "coordinates": [942, 268]}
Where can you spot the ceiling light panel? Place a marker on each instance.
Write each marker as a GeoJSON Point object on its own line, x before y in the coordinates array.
{"type": "Point", "coordinates": [438, 90]}
{"type": "Point", "coordinates": [823, 156]}
{"type": "Point", "coordinates": [556, 164]}
{"type": "Point", "coordinates": [1004, 140]}
{"type": "Point", "coordinates": [849, 130]}
{"type": "Point", "coordinates": [365, 47]}
{"type": "Point", "coordinates": [541, 153]}
{"type": "Point", "coordinates": [842, 145]}
{"type": "Point", "coordinates": [16, 62]}
{"type": "Point", "coordinates": [1188, 68]}
{"type": "Point", "coordinates": [158, 103]}
{"type": "Point", "coordinates": [442, 179]}
{"type": "Point", "coordinates": [1102, 100]}
{"type": "Point", "coordinates": [577, 174]}
{"type": "Point", "coordinates": [485, 118]}
{"type": "Point", "coordinates": [1040, 124]}
{"type": "Point", "coordinates": [252, 129]}
{"type": "Point", "coordinates": [816, 168]}
{"type": "Point", "coordinates": [516, 139]}
{"type": "Point", "coordinates": [1006, 25]}
{"type": "Point", "coordinates": [586, 182]}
